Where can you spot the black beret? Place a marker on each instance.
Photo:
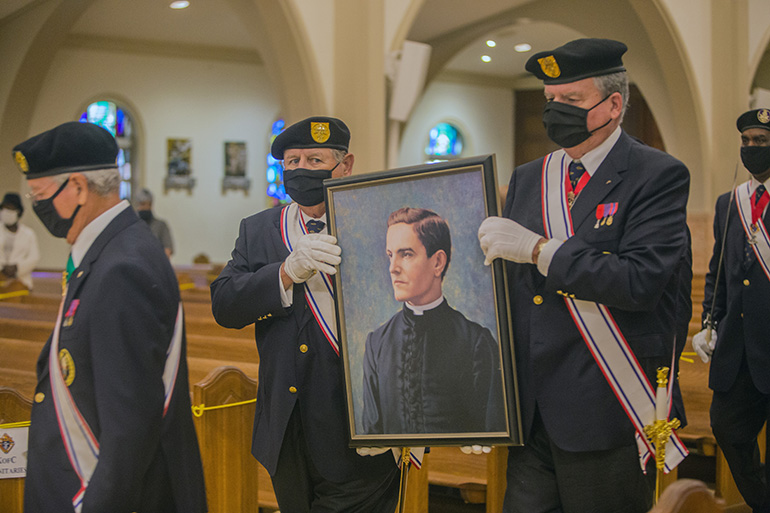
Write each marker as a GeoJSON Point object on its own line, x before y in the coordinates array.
{"type": "Point", "coordinates": [757, 118]}
{"type": "Point", "coordinates": [578, 59]}
{"type": "Point", "coordinates": [315, 132]}
{"type": "Point", "coordinates": [11, 199]}
{"type": "Point", "coordinates": [68, 148]}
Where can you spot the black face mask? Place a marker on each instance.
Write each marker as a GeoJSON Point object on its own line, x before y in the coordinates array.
{"type": "Point", "coordinates": [56, 224]}
{"type": "Point", "coordinates": [756, 159]}
{"type": "Point", "coordinates": [305, 186]}
{"type": "Point", "coordinates": [567, 125]}
{"type": "Point", "coordinates": [145, 215]}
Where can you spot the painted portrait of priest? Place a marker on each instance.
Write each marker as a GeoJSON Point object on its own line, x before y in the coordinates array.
{"type": "Point", "coordinates": [428, 369]}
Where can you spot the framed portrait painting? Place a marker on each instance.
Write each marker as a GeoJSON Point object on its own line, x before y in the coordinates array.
{"type": "Point", "coordinates": [423, 324]}
{"type": "Point", "coordinates": [179, 164]}
{"type": "Point", "coordinates": [235, 166]}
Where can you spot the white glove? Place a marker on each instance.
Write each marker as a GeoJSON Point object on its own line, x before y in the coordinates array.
{"type": "Point", "coordinates": [476, 449]}
{"type": "Point", "coordinates": [372, 451]}
{"type": "Point", "coordinates": [313, 252]}
{"type": "Point", "coordinates": [503, 238]}
{"type": "Point", "coordinates": [703, 347]}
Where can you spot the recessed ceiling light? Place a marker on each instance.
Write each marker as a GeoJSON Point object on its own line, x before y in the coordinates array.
{"type": "Point", "coordinates": [179, 4]}
{"type": "Point", "coordinates": [486, 58]}
{"type": "Point", "coordinates": [491, 43]}
{"type": "Point", "coordinates": [523, 47]}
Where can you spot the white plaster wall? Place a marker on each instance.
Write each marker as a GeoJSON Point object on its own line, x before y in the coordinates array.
{"type": "Point", "coordinates": [692, 20]}
{"type": "Point", "coordinates": [395, 10]}
{"type": "Point", "coordinates": [759, 26]}
{"type": "Point", "coordinates": [484, 114]}
{"type": "Point", "coordinates": [207, 102]}
{"type": "Point", "coordinates": [318, 20]}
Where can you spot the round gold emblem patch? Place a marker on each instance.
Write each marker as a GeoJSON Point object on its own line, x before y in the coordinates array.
{"type": "Point", "coordinates": [21, 161]}
{"type": "Point", "coordinates": [549, 66]}
{"type": "Point", "coordinates": [67, 365]}
{"type": "Point", "coordinates": [763, 115]}
{"type": "Point", "coordinates": [320, 132]}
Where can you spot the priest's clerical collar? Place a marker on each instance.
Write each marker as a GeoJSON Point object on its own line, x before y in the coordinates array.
{"type": "Point", "coordinates": [419, 310]}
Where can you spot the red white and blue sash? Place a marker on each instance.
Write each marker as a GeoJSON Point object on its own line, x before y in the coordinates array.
{"type": "Point", "coordinates": [416, 455]}
{"type": "Point", "coordinates": [80, 444]}
{"type": "Point", "coordinates": [318, 289]}
{"type": "Point", "coordinates": [755, 229]}
{"type": "Point", "coordinates": [598, 328]}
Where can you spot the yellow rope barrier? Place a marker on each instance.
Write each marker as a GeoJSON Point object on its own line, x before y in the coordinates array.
{"type": "Point", "coordinates": [198, 409]}
{"type": "Point", "coordinates": [186, 286]}
{"type": "Point", "coordinates": [12, 425]}
{"type": "Point", "coordinates": [16, 293]}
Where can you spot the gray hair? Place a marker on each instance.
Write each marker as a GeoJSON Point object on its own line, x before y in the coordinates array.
{"type": "Point", "coordinates": [101, 182]}
{"type": "Point", "coordinates": [614, 83]}
{"type": "Point", "coordinates": [143, 196]}
{"type": "Point", "coordinates": [338, 155]}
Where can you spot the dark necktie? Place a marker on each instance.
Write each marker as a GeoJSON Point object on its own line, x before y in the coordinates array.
{"type": "Point", "coordinates": [748, 251]}
{"type": "Point", "coordinates": [314, 225]}
{"type": "Point", "coordinates": [576, 171]}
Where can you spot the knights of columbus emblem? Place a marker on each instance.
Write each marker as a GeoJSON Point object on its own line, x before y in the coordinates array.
{"type": "Point", "coordinates": [6, 443]}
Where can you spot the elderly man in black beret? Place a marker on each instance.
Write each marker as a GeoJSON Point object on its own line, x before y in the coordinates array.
{"type": "Point", "coordinates": [594, 237]}
{"type": "Point", "coordinates": [111, 424]}
{"type": "Point", "coordinates": [278, 279]}
{"type": "Point", "coordinates": [736, 337]}
{"type": "Point", "coordinates": [19, 253]}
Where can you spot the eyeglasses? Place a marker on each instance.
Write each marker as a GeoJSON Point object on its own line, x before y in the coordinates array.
{"type": "Point", "coordinates": [34, 197]}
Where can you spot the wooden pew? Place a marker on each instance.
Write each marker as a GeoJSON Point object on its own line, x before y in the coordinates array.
{"type": "Point", "coordinates": [13, 408]}
{"type": "Point", "coordinates": [479, 477]}
{"type": "Point", "coordinates": [224, 437]}
{"type": "Point", "coordinates": [688, 496]}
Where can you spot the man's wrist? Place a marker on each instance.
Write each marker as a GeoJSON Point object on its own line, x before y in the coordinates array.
{"type": "Point", "coordinates": [538, 248]}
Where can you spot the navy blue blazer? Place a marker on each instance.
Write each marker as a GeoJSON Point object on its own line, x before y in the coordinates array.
{"type": "Point", "coordinates": [740, 310]}
{"type": "Point", "coordinates": [632, 266]}
{"type": "Point", "coordinates": [118, 336]}
{"type": "Point", "coordinates": [247, 292]}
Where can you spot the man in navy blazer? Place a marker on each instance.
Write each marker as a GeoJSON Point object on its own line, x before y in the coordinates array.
{"type": "Point", "coordinates": [738, 342]}
{"type": "Point", "coordinates": [612, 236]}
{"type": "Point", "coordinates": [111, 427]}
{"type": "Point", "coordinates": [278, 280]}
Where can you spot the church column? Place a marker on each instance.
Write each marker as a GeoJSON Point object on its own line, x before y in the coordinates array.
{"type": "Point", "coordinates": [359, 79]}
{"type": "Point", "coordinates": [730, 91]}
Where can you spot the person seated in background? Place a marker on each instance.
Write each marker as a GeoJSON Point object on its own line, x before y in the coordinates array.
{"type": "Point", "coordinates": [158, 227]}
{"type": "Point", "coordinates": [18, 243]}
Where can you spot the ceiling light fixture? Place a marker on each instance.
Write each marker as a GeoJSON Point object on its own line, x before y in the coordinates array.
{"type": "Point", "coordinates": [179, 4]}
{"type": "Point", "coordinates": [523, 47]}
{"type": "Point", "coordinates": [491, 43]}
{"type": "Point", "coordinates": [486, 58]}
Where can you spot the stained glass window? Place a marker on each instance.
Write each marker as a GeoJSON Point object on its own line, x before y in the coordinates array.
{"type": "Point", "coordinates": [114, 119]}
{"type": "Point", "coordinates": [275, 189]}
{"type": "Point", "coordinates": [444, 142]}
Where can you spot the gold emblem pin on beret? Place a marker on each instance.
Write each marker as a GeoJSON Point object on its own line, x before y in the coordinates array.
{"type": "Point", "coordinates": [763, 115]}
{"type": "Point", "coordinates": [21, 161]}
{"type": "Point", "coordinates": [320, 132]}
{"type": "Point", "coordinates": [549, 66]}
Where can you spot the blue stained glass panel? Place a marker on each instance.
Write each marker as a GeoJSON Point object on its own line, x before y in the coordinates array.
{"type": "Point", "coordinates": [274, 173]}
{"type": "Point", "coordinates": [444, 140]}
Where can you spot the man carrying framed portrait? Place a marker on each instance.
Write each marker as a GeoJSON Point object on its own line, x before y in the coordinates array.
{"type": "Point", "coordinates": [595, 237]}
